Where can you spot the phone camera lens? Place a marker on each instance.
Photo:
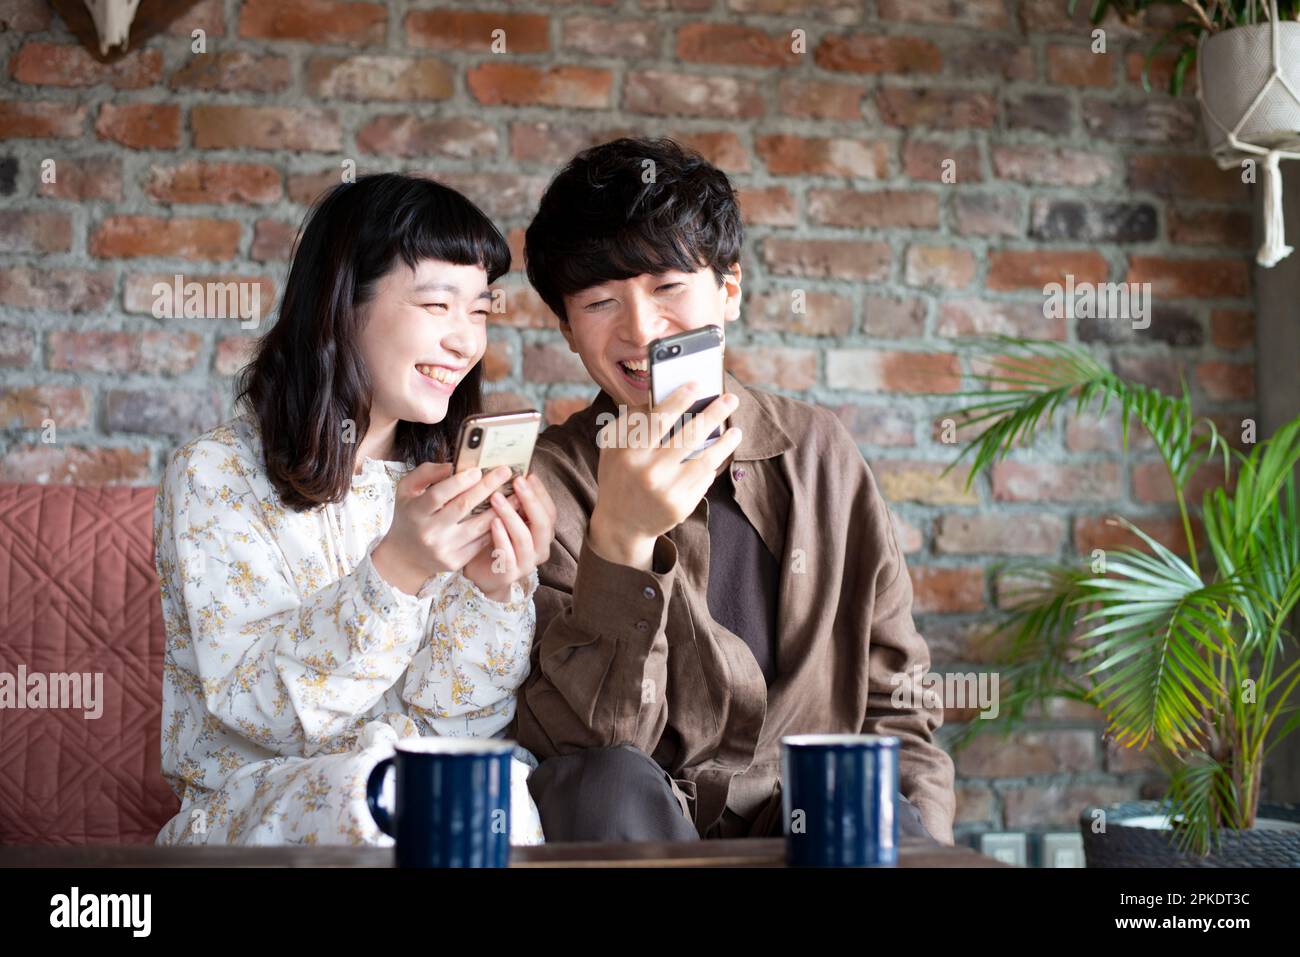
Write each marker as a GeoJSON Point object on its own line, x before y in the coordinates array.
{"type": "Point", "coordinates": [661, 354]}
{"type": "Point", "coordinates": [676, 349]}
{"type": "Point", "coordinates": [475, 437]}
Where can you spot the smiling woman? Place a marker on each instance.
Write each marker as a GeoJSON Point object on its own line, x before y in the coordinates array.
{"type": "Point", "coordinates": [321, 595]}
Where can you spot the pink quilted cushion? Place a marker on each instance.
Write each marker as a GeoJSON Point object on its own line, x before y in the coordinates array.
{"type": "Point", "coordinates": [78, 593]}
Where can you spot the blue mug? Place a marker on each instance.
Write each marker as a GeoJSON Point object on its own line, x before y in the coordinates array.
{"type": "Point", "coordinates": [839, 800]}
{"type": "Point", "coordinates": [451, 801]}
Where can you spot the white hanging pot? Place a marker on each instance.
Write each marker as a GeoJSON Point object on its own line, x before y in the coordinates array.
{"type": "Point", "coordinates": [1248, 85]}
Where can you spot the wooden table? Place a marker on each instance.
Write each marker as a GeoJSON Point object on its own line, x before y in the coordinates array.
{"type": "Point", "coordinates": [741, 852]}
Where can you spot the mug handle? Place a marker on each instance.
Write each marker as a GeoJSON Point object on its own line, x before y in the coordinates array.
{"type": "Point", "coordinates": [375, 784]}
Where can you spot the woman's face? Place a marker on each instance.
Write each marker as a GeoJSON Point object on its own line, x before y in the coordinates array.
{"type": "Point", "coordinates": [424, 330]}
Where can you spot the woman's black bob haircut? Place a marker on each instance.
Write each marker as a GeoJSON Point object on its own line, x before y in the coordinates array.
{"type": "Point", "coordinates": [629, 207]}
{"type": "Point", "coordinates": [306, 384]}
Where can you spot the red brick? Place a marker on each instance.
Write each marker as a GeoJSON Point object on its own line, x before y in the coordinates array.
{"type": "Point", "coordinates": [1079, 66]}
{"type": "Point", "coordinates": [498, 360]}
{"type": "Point", "coordinates": [666, 93]}
{"type": "Point", "coordinates": [517, 84]}
{"type": "Point", "coordinates": [1035, 268]}
{"type": "Point", "coordinates": [75, 465]}
{"type": "Point", "coordinates": [878, 370]}
{"type": "Point", "coordinates": [24, 16]}
{"type": "Point", "coordinates": [499, 195]}
{"type": "Point", "coordinates": [822, 313]}
{"type": "Point", "coordinates": [560, 408]}
{"type": "Point", "coordinates": [892, 318]}
{"type": "Point", "coordinates": [1103, 531]}
{"type": "Point", "coordinates": [379, 78]}
{"type": "Point", "coordinates": [987, 14]}
{"type": "Point", "coordinates": [733, 44]}
{"type": "Point", "coordinates": [933, 160]}
{"type": "Point", "coordinates": [873, 53]}
{"type": "Point", "coordinates": [265, 127]}
{"type": "Point", "coordinates": [1044, 166]}
{"type": "Point", "coordinates": [233, 71]}
{"type": "Point", "coordinates": [525, 310]}
{"type": "Point", "coordinates": [41, 119]}
{"type": "Point", "coordinates": [982, 317]}
{"type": "Point", "coordinates": [820, 100]}
{"type": "Point", "coordinates": [788, 155]}
{"type": "Point", "coordinates": [1028, 752]}
{"type": "Point", "coordinates": [1150, 481]}
{"type": "Point", "coordinates": [157, 412]}
{"type": "Point", "coordinates": [992, 214]}
{"type": "Point", "coordinates": [552, 362]}
{"type": "Point", "coordinates": [27, 407]}
{"type": "Point", "coordinates": [1210, 227]}
{"type": "Point", "coordinates": [68, 64]}
{"type": "Point", "coordinates": [773, 366]}
{"type": "Point", "coordinates": [1058, 805]}
{"type": "Point", "coordinates": [1160, 72]}
{"type": "Point", "coordinates": [128, 236]}
{"type": "Point", "coordinates": [924, 482]}
{"type": "Point", "coordinates": [459, 137]}
{"type": "Point", "coordinates": [616, 38]}
{"type": "Point", "coordinates": [1191, 177]}
{"type": "Point", "coordinates": [937, 108]}
{"type": "Point", "coordinates": [1027, 482]}
{"type": "Point", "coordinates": [463, 30]}
{"type": "Point", "coordinates": [553, 144]}
{"type": "Point", "coordinates": [140, 126]}
{"type": "Point", "coordinates": [138, 296]}
{"type": "Point", "coordinates": [272, 240]}
{"type": "Point", "coordinates": [773, 206]}
{"type": "Point", "coordinates": [1022, 534]}
{"type": "Point", "coordinates": [1190, 278]}
{"type": "Point", "coordinates": [85, 178]}
{"type": "Point", "coordinates": [947, 267]}
{"type": "Point", "coordinates": [884, 425]}
{"type": "Point", "coordinates": [233, 353]}
{"type": "Point", "coordinates": [23, 231]}
{"type": "Point", "coordinates": [206, 15]}
{"type": "Point", "coordinates": [946, 590]}
{"type": "Point", "coordinates": [827, 258]}
{"type": "Point", "coordinates": [107, 351]}
{"type": "Point", "coordinates": [723, 149]}
{"type": "Point", "coordinates": [16, 345]}
{"type": "Point", "coordinates": [55, 290]}
{"type": "Point", "coordinates": [1232, 328]}
{"type": "Point", "coordinates": [879, 209]}
{"type": "Point", "coordinates": [318, 21]}
{"type": "Point", "coordinates": [196, 182]}
{"type": "Point", "coordinates": [1226, 381]}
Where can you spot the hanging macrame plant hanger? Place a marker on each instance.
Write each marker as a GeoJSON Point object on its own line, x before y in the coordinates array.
{"type": "Point", "coordinates": [1268, 125]}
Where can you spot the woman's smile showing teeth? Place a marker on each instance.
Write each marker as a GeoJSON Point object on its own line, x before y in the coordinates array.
{"type": "Point", "coordinates": [440, 377]}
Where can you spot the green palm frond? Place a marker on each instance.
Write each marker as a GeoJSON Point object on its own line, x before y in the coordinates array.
{"type": "Point", "coordinates": [1161, 626]}
{"type": "Point", "coordinates": [1195, 788]}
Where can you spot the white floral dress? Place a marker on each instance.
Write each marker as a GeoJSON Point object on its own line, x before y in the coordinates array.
{"type": "Point", "coordinates": [292, 667]}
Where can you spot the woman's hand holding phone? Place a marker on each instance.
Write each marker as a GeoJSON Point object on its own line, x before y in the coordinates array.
{"type": "Point", "coordinates": [519, 544]}
{"type": "Point", "coordinates": [432, 529]}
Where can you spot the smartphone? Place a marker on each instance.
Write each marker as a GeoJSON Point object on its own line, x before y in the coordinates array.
{"type": "Point", "coordinates": [675, 360]}
{"type": "Point", "coordinates": [489, 439]}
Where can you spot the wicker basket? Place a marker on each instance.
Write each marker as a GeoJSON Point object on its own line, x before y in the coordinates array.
{"type": "Point", "coordinates": [1123, 845]}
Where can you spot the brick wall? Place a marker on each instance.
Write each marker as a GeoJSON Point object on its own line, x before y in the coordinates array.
{"type": "Point", "coordinates": [203, 164]}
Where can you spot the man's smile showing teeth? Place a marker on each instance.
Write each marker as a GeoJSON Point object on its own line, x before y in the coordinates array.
{"type": "Point", "coordinates": [638, 370]}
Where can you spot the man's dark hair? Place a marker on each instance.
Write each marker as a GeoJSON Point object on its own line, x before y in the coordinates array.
{"type": "Point", "coordinates": [628, 207]}
{"type": "Point", "coordinates": [307, 377]}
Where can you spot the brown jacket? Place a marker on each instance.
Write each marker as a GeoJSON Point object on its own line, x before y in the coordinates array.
{"type": "Point", "coordinates": [624, 655]}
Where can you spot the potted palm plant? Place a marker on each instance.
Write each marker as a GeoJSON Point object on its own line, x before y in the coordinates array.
{"type": "Point", "coordinates": [1186, 657]}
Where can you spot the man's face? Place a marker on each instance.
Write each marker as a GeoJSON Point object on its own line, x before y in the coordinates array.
{"type": "Point", "coordinates": [611, 325]}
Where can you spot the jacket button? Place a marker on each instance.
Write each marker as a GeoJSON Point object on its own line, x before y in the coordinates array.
{"type": "Point", "coordinates": [648, 591]}
{"type": "Point", "coordinates": [642, 626]}
{"type": "Point", "coordinates": [739, 473]}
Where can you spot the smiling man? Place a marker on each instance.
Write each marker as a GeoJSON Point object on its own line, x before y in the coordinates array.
{"type": "Point", "coordinates": [693, 612]}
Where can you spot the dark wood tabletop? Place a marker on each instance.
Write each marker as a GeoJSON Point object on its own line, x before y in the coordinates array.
{"type": "Point", "coordinates": [742, 852]}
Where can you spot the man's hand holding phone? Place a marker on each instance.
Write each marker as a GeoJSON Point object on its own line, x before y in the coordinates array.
{"type": "Point", "coordinates": [643, 492]}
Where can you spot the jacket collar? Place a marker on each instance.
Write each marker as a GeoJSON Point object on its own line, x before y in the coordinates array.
{"type": "Point", "coordinates": [762, 435]}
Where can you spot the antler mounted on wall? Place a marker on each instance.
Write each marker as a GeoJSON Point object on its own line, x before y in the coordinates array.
{"type": "Point", "coordinates": [109, 28]}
